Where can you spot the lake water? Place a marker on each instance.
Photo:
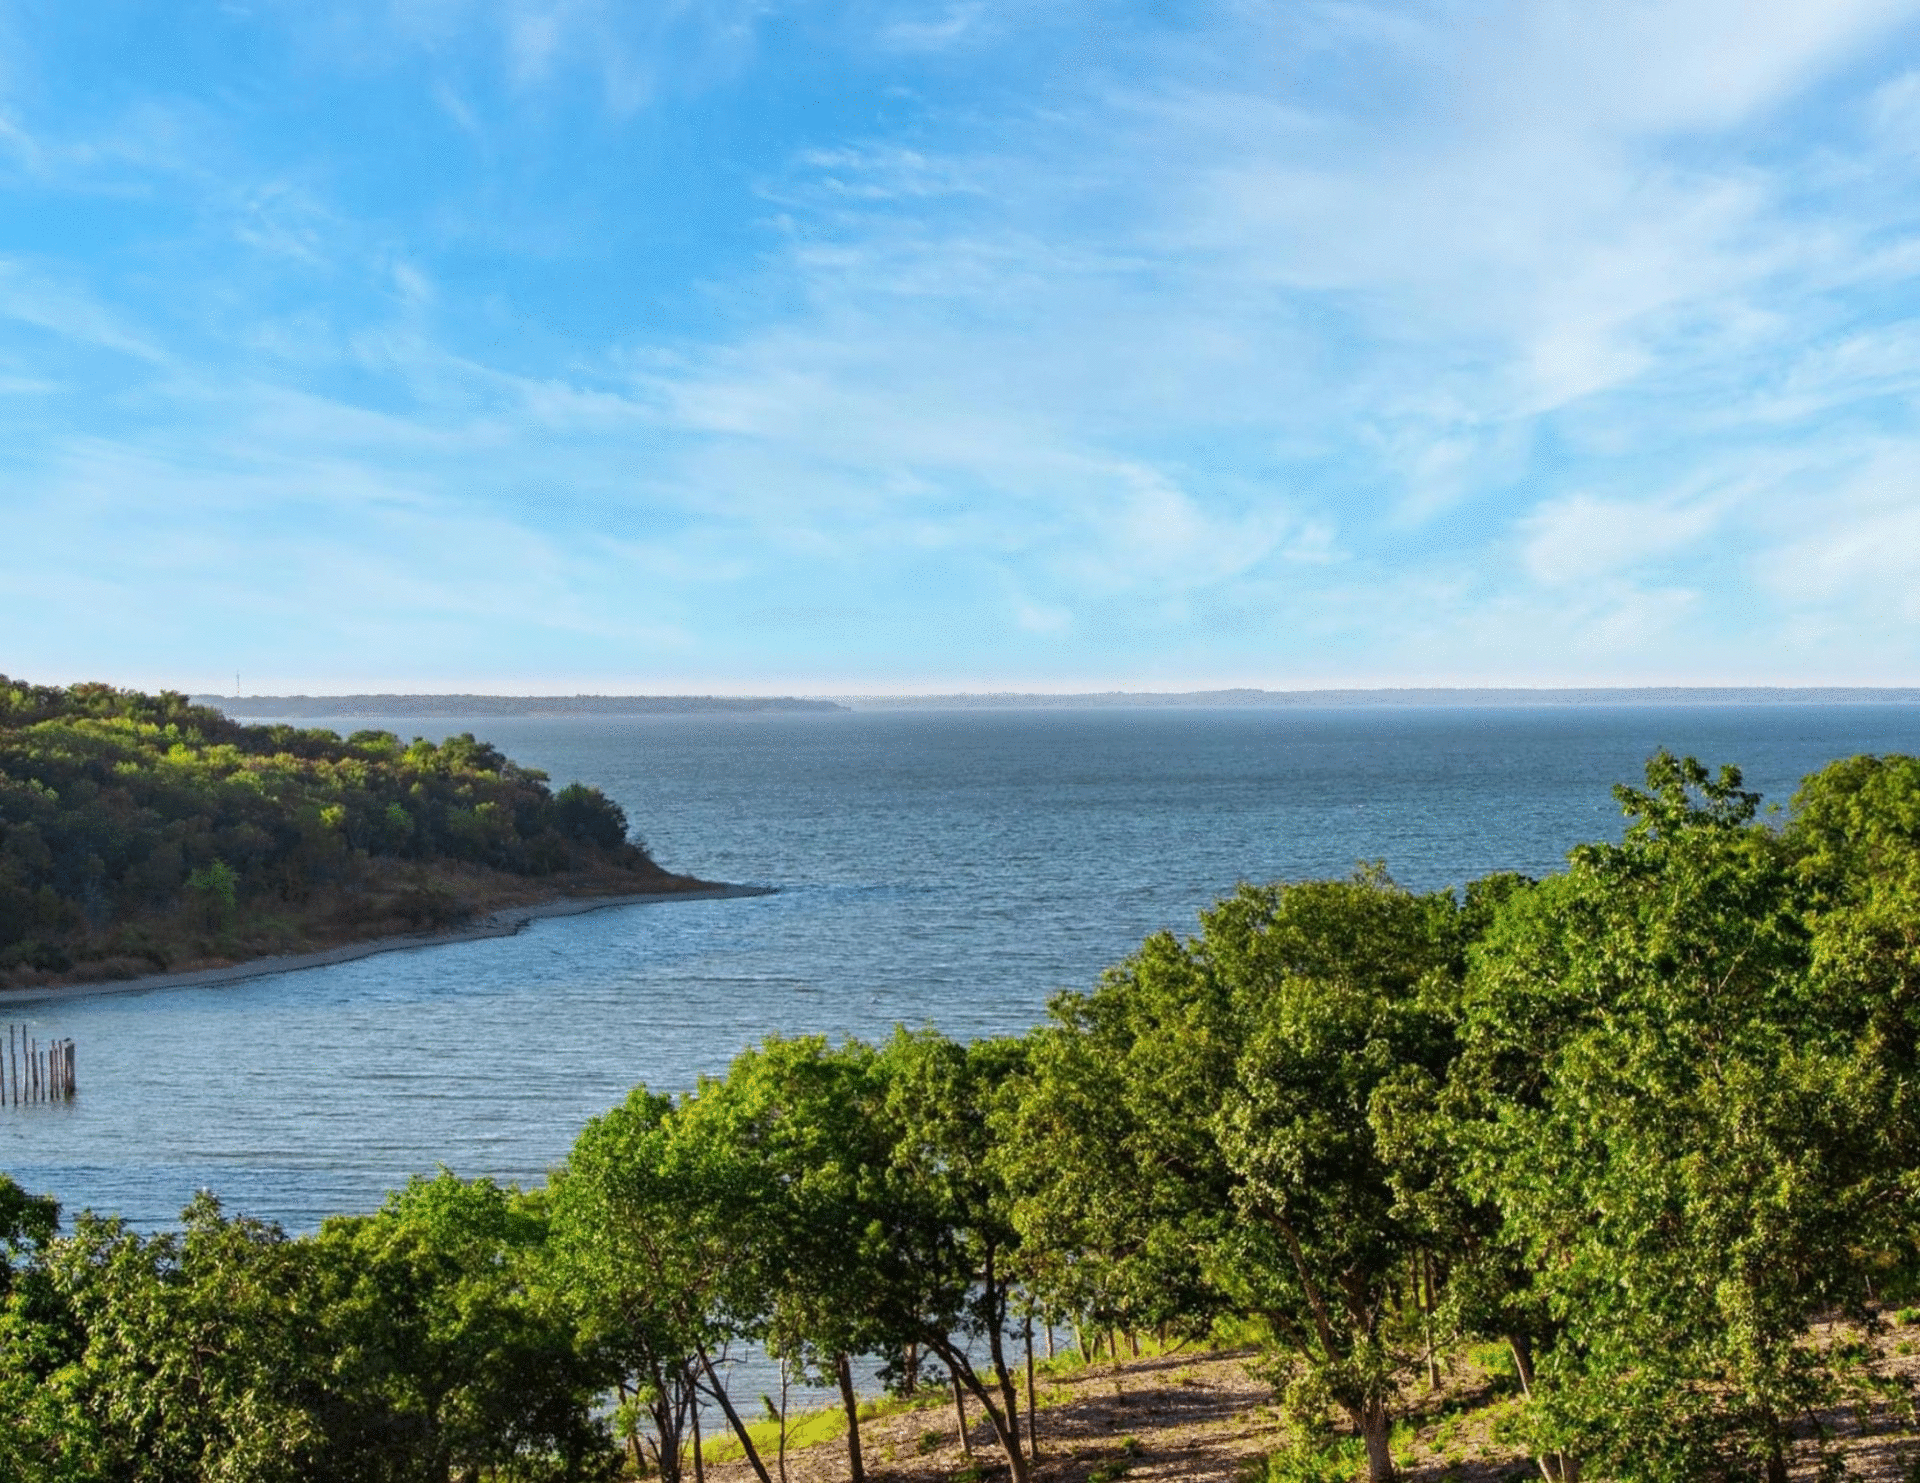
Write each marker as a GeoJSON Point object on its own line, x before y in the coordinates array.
{"type": "Point", "coordinates": [945, 868]}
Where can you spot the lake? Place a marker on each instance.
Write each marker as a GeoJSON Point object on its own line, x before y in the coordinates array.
{"type": "Point", "coordinates": [944, 868]}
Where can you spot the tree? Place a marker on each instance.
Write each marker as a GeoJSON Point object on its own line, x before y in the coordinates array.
{"type": "Point", "coordinates": [801, 1116]}
{"type": "Point", "coordinates": [1208, 1113]}
{"type": "Point", "coordinates": [1119, 1189]}
{"type": "Point", "coordinates": [945, 1253]}
{"type": "Point", "coordinates": [446, 1350]}
{"type": "Point", "coordinates": [173, 1358]}
{"type": "Point", "coordinates": [588, 815]}
{"type": "Point", "coordinates": [1678, 1134]}
{"type": "Point", "coordinates": [650, 1219]}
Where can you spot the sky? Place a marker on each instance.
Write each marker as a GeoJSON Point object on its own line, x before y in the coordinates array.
{"type": "Point", "coordinates": [833, 346]}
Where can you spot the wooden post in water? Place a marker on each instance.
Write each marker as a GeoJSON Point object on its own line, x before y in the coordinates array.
{"type": "Point", "coordinates": [35, 1070]}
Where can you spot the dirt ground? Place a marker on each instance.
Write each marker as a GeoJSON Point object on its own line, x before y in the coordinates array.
{"type": "Point", "coordinates": [1204, 1417]}
{"type": "Point", "coordinates": [1192, 1416]}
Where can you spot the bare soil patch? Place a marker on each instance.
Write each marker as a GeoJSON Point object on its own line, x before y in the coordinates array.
{"type": "Point", "coordinates": [1205, 1416]}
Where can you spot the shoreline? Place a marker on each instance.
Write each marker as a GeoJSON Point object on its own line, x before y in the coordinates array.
{"type": "Point", "coordinates": [507, 921]}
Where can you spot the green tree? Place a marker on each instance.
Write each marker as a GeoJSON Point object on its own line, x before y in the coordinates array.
{"type": "Point", "coordinates": [1680, 1137]}
{"type": "Point", "coordinates": [1209, 1115]}
{"type": "Point", "coordinates": [173, 1358]}
{"type": "Point", "coordinates": [802, 1116]}
{"type": "Point", "coordinates": [652, 1222]}
{"type": "Point", "coordinates": [447, 1351]}
{"type": "Point", "coordinates": [944, 1264]}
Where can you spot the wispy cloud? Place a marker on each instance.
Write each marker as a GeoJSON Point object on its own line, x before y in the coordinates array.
{"type": "Point", "coordinates": [934, 30]}
{"type": "Point", "coordinates": [34, 296]}
{"type": "Point", "coordinates": [1330, 341]}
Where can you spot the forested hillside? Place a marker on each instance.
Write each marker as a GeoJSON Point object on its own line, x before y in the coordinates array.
{"type": "Point", "coordinates": [1642, 1136]}
{"type": "Point", "coordinates": [142, 832]}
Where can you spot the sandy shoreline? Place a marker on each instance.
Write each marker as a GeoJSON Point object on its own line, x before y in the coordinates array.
{"type": "Point", "coordinates": [502, 923]}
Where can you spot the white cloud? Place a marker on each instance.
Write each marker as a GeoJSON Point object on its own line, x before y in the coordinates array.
{"type": "Point", "coordinates": [1401, 329]}
{"type": "Point", "coordinates": [1644, 67]}
{"type": "Point", "coordinates": [34, 297]}
{"type": "Point", "coordinates": [1848, 540]}
{"type": "Point", "coordinates": [1578, 537]}
{"type": "Point", "coordinates": [934, 31]}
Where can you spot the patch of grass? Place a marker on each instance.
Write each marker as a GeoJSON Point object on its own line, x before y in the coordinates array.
{"type": "Point", "coordinates": [1335, 1462]}
{"type": "Point", "coordinates": [808, 1428]}
{"type": "Point", "coordinates": [804, 1429]}
{"type": "Point", "coordinates": [930, 1441]}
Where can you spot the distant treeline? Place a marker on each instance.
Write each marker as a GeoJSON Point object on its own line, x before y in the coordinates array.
{"type": "Point", "coordinates": [140, 827]}
{"type": "Point", "coordinates": [1648, 1125]}
{"type": "Point", "coordinates": [410, 706]}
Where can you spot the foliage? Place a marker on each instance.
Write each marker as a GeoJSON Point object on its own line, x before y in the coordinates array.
{"type": "Point", "coordinates": [1199, 1132]}
{"type": "Point", "coordinates": [395, 1347]}
{"type": "Point", "coordinates": [1327, 1462]}
{"type": "Point", "coordinates": [1681, 1124]}
{"type": "Point", "coordinates": [1634, 1129]}
{"type": "Point", "coordinates": [129, 822]}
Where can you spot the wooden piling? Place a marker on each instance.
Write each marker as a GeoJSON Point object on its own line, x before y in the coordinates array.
{"type": "Point", "coordinates": [37, 1070]}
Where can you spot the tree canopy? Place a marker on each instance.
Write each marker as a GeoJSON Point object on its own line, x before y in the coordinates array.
{"type": "Point", "coordinates": [138, 831]}
{"type": "Point", "coordinates": [1648, 1123]}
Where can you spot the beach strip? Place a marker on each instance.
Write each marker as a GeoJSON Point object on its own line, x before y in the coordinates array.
{"type": "Point", "coordinates": [504, 922]}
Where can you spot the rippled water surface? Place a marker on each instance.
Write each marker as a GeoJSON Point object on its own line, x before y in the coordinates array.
{"type": "Point", "coordinates": [944, 868]}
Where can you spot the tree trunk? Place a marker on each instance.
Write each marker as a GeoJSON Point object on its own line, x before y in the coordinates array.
{"type": "Point", "coordinates": [783, 1418]}
{"type": "Point", "coordinates": [1009, 1393]}
{"type": "Point", "coordinates": [699, 1461]}
{"type": "Point", "coordinates": [1006, 1426]}
{"type": "Point", "coordinates": [1522, 1350]}
{"type": "Point", "coordinates": [844, 1367]}
{"type": "Point", "coordinates": [1374, 1424]}
{"type": "Point", "coordinates": [719, 1392]}
{"type": "Point", "coordinates": [960, 1412]}
{"type": "Point", "coordinates": [1426, 1312]}
{"type": "Point", "coordinates": [1033, 1408]}
{"type": "Point", "coordinates": [667, 1433]}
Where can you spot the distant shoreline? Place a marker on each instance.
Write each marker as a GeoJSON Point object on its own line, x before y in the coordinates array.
{"type": "Point", "coordinates": [1405, 697]}
{"type": "Point", "coordinates": [494, 707]}
{"type": "Point", "coordinates": [505, 922]}
{"type": "Point", "coordinates": [488, 707]}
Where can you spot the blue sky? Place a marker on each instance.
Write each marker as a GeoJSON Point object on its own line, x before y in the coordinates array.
{"type": "Point", "coordinates": [554, 345]}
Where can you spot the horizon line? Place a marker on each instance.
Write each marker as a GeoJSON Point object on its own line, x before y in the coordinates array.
{"type": "Point", "coordinates": [1235, 697]}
